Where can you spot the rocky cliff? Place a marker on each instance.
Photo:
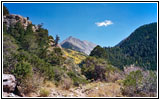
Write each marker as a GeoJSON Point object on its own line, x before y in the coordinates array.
{"type": "Point", "coordinates": [13, 19]}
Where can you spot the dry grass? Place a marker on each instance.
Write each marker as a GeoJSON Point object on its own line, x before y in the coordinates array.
{"type": "Point", "coordinates": [100, 89]}
{"type": "Point", "coordinates": [49, 84]}
{"type": "Point", "coordinates": [66, 83]}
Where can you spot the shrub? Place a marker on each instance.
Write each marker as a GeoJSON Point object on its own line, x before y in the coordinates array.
{"type": "Point", "coordinates": [98, 52]}
{"type": "Point", "coordinates": [66, 83]}
{"type": "Point", "coordinates": [30, 84]}
{"type": "Point", "coordinates": [77, 80]}
{"type": "Point", "coordinates": [132, 83]}
{"type": "Point", "coordinates": [140, 83]}
{"type": "Point", "coordinates": [22, 70]}
{"type": "Point", "coordinates": [55, 57]}
{"type": "Point", "coordinates": [94, 68]}
{"type": "Point", "coordinates": [149, 86]}
{"type": "Point", "coordinates": [44, 93]}
{"type": "Point", "coordinates": [10, 48]}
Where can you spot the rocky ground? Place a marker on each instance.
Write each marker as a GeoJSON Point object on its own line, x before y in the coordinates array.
{"type": "Point", "coordinates": [96, 89]}
{"type": "Point", "coordinates": [48, 89]}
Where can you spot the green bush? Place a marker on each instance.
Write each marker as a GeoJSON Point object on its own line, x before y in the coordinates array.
{"type": "Point", "coordinates": [133, 78]}
{"type": "Point", "coordinates": [22, 70]}
{"type": "Point", "coordinates": [94, 68]}
{"type": "Point", "coordinates": [10, 49]}
{"type": "Point", "coordinates": [142, 84]}
{"type": "Point", "coordinates": [55, 57]}
{"type": "Point", "coordinates": [132, 83]}
{"type": "Point", "coordinates": [98, 52]}
{"type": "Point", "coordinates": [77, 80]}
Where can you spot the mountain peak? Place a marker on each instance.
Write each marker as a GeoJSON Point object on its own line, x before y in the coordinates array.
{"type": "Point", "coordinates": [78, 45]}
{"type": "Point", "coordinates": [70, 37]}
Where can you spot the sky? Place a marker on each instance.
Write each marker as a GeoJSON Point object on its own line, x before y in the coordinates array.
{"type": "Point", "coordinates": [105, 24]}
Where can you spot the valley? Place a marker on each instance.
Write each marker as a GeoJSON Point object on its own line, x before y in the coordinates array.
{"type": "Point", "coordinates": [35, 64]}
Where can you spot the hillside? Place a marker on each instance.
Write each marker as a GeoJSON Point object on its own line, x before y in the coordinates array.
{"type": "Point", "coordinates": [77, 57]}
{"type": "Point", "coordinates": [33, 57]}
{"type": "Point", "coordinates": [140, 48]}
{"type": "Point", "coordinates": [78, 45]}
{"type": "Point", "coordinates": [141, 45]}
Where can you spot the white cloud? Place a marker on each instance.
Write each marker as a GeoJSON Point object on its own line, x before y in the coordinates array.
{"type": "Point", "coordinates": [104, 23]}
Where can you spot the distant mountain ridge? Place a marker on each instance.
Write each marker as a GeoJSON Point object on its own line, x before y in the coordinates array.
{"type": "Point", "coordinates": [78, 45]}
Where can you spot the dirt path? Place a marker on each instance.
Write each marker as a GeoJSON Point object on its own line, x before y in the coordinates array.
{"type": "Point", "coordinates": [97, 89]}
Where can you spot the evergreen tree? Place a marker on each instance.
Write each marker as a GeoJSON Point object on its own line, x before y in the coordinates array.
{"type": "Point", "coordinates": [5, 11]}
{"type": "Point", "coordinates": [57, 40]}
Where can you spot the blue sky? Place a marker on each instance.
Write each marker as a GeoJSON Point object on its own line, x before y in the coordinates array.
{"type": "Point", "coordinates": [105, 24]}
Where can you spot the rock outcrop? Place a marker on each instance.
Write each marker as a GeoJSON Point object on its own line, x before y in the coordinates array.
{"type": "Point", "coordinates": [13, 19]}
{"type": "Point", "coordinates": [5, 94]}
{"type": "Point", "coordinates": [9, 83]}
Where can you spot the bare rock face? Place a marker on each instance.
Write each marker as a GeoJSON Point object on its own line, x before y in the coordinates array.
{"type": "Point", "coordinates": [9, 83]}
{"type": "Point", "coordinates": [78, 45]}
{"type": "Point", "coordinates": [13, 19]}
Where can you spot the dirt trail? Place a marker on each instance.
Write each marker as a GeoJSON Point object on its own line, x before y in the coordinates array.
{"type": "Point", "coordinates": [97, 89]}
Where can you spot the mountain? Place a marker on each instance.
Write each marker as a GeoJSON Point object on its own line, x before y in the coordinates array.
{"type": "Point", "coordinates": [140, 48]}
{"type": "Point", "coordinates": [78, 45]}
{"type": "Point", "coordinates": [142, 45]}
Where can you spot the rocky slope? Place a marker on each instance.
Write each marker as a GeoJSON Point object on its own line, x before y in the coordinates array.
{"type": "Point", "coordinates": [12, 19]}
{"type": "Point", "coordinates": [78, 45]}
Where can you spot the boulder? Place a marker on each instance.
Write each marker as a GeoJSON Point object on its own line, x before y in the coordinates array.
{"type": "Point", "coordinates": [5, 94]}
{"type": "Point", "coordinates": [9, 83]}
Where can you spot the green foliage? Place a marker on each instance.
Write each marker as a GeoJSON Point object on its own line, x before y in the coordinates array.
{"type": "Point", "coordinates": [50, 37]}
{"type": "Point", "coordinates": [140, 48]}
{"type": "Point", "coordinates": [4, 28]}
{"type": "Point", "coordinates": [44, 93]}
{"type": "Point", "coordinates": [55, 57]}
{"type": "Point", "coordinates": [141, 45]}
{"type": "Point", "coordinates": [77, 80]}
{"type": "Point", "coordinates": [117, 58]}
{"type": "Point", "coordinates": [22, 70]}
{"type": "Point", "coordinates": [133, 79]}
{"type": "Point", "coordinates": [39, 65]}
{"type": "Point", "coordinates": [94, 69]}
{"type": "Point", "coordinates": [17, 31]}
{"type": "Point", "coordinates": [10, 48]}
{"type": "Point", "coordinates": [57, 39]}
{"type": "Point", "coordinates": [139, 83]}
{"type": "Point", "coordinates": [42, 37]}
{"type": "Point", "coordinates": [55, 73]}
{"type": "Point", "coordinates": [28, 41]}
{"type": "Point", "coordinates": [29, 29]}
{"type": "Point", "coordinates": [132, 83]}
{"type": "Point", "coordinates": [5, 11]}
{"type": "Point", "coordinates": [98, 52]}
